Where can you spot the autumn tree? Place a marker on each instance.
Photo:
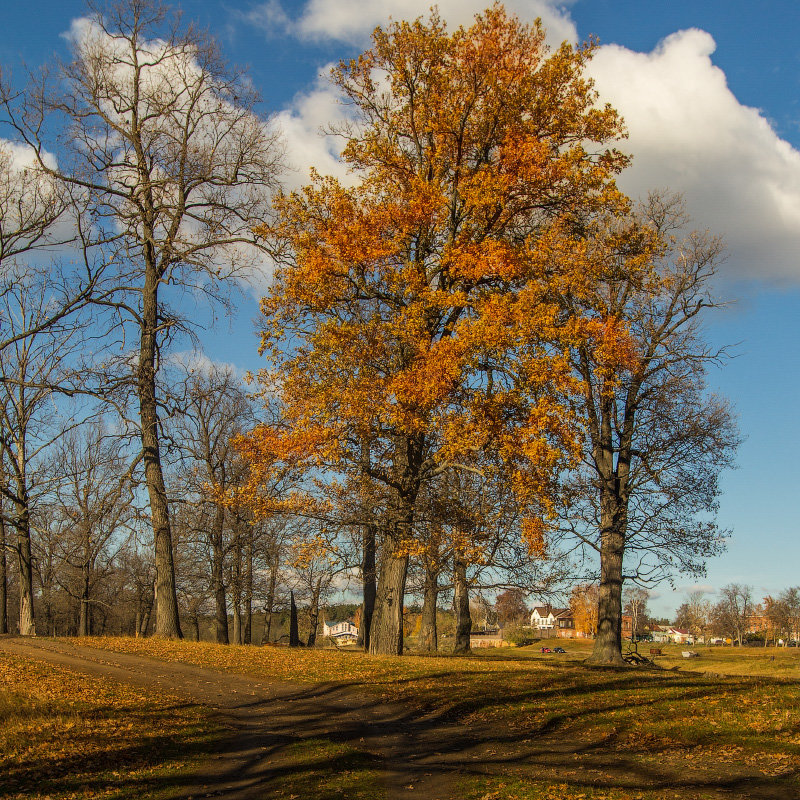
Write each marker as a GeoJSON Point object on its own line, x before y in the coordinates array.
{"type": "Point", "coordinates": [166, 143]}
{"type": "Point", "coordinates": [656, 440]}
{"type": "Point", "coordinates": [583, 604]}
{"type": "Point", "coordinates": [414, 314]}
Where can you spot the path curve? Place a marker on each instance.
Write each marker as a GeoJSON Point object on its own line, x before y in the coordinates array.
{"type": "Point", "coordinates": [267, 717]}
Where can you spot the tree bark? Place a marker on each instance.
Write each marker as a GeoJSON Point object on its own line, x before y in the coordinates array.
{"type": "Point", "coordinates": [386, 633]}
{"type": "Point", "coordinates": [273, 577]}
{"type": "Point", "coordinates": [608, 642]}
{"type": "Point", "coordinates": [3, 574]}
{"type": "Point", "coordinates": [313, 615]}
{"type": "Point", "coordinates": [428, 634]}
{"type": "Point", "coordinates": [218, 577]}
{"type": "Point", "coordinates": [294, 634]}
{"type": "Point", "coordinates": [27, 625]}
{"type": "Point", "coordinates": [166, 598]}
{"type": "Point", "coordinates": [368, 585]}
{"type": "Point", "coordinates": [247, 634]}
{"type": "Point", "coordinates": [461, 605]}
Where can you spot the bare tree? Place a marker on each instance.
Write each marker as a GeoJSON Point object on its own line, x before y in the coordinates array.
{"type": "Point", "coordinates": [34, 369]}
{"type": "Point", "coordinates": [178, 168]}
{"type": "Point", "coordinates": [656, 441]}
{"type": "Point", "coordinates": [213, 408]}
{"type": "Point", "coordinates": [93, 498]}
{"type": "Point", "coordinates": [731, 613]}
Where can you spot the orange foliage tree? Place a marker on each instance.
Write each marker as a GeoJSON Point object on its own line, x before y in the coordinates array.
{"type": "Point", "coordinates": [413, 326]}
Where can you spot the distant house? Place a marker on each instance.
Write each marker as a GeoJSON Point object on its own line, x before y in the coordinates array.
{"type": "Point", "coordinates": [663, 634]}
{"type": "Point", "coordinates": [549, 621]}
{"type": "Point", "coordinates": [344, 632]}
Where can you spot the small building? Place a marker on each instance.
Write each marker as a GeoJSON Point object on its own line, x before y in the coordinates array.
{"type": "Point", "coordinates": [545, 619]}
{"type": "Point", "coordinates": [490, 637]}
{"type": "Point", "coordinates": [344, 632]}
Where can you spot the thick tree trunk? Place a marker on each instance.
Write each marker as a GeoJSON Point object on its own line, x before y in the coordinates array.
{"type": "Point", "coordinates": [428, 634]}
{"type": "Point", "coordinates": [386, 632]}
{"type": "Point", "coordinates": [27, 625]}
{"type": "Point", "coordinates": [608, 643]}
{"type": "Point", "coordinates": [461, 605]}
{"type": "Point", "coordinates": [368, 585]}
{"type": "Point", "coordinates": [313, 615]}
{"type": "Point", "coordinates": [294, 634]}
{"type": "Point", "coordinates": [3, 574]}
{"type": "Point", "coordinates": [167, 619]}
{"type": "Point", "coordinates": [218, 577]}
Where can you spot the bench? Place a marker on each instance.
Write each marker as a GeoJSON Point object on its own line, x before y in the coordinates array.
{"type": "Point", "coordinates": [655, 651]}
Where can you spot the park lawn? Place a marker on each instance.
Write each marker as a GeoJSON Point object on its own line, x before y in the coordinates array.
{"type": "Point", "coordinates": [64, 734]}
{"type": "Point", "coordinates": [550, 725]}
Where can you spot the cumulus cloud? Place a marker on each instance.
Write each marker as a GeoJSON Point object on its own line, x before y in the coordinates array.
{"type": "Point", "coordinates": [353, 21]}
{"type": "Point", "coordinates": [304, 125]}
{"type": "Point", "coordinates": [688, 132]}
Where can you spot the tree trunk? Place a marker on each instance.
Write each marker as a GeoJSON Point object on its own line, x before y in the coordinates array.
{"type": "Point", "coordinates": [247, 636]}
{"type": "Point", "coordinates": [608, 643]}
{"type": "Point", "coordinates": [3, 574]}
{"type": "Point", "coordinates": [428, 634]}
{"type": "Point", "coordinates": [84, 620]}
{"type": "Point", "coordinates": [27, 625]}
{"type": "Point", "coordinates": [236, 587]}
{"type": "Point", "coordinates": [84, 623]}
{"type": "Point", "coordinates": [195, 621]}
{"type": "Point", "coordinates": [273, 576]}
{"type": "Point", "coordinates": [218, 577]}
{"type": "Point", "coordinates": [368, 587]}
{"type": "Point", "coordinates": [461, 605]}
{"type": "Point", "coordinates": [313, 615]}
{"type": "Point", "coordinates": [166, 599]}
{"type": "Point", "coordinates": [386, 632]}
{"type": "Point", "coordinates": [294, 634]}
{"type": "Point", "coordinates": [148, 610]}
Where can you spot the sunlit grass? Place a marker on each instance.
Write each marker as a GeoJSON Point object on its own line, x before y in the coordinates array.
{"type": "Point", "coordinates": [561, 729]}
{"type": "Point", "coordinates": [64, 734]}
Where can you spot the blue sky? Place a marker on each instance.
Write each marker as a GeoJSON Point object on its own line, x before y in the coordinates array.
{"type": "Point", "coordinates": [710, 94]}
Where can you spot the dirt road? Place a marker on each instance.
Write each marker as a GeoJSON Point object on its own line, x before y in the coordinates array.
{"type": "Point", "coordinates": [415, 755]}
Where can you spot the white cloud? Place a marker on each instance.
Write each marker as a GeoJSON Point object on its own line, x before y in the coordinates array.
{"type": "Point", "coordinates": [688, 132]}
{"type": "Point", "coordinates": [304, 124]}
{"type": "Point", "coordinates": [353, 21]}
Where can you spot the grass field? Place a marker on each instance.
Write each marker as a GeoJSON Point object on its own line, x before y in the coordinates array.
{"type": "Point", "coordinates": [68, 735]}
{"type": "Point", "coordinates": [726, 724]}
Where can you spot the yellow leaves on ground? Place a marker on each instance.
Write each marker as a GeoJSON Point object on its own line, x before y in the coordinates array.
{"type": "Point", "coordinates": [66, 734]}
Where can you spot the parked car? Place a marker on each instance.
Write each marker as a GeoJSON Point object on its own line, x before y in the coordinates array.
{"type": "Point", "coordinates": [559, 650]}
{"type": "Point", "coordinates": [546, 650]}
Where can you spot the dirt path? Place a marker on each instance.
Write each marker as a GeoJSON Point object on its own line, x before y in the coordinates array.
{"type": "Point", "coordinates": [415, 755]}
